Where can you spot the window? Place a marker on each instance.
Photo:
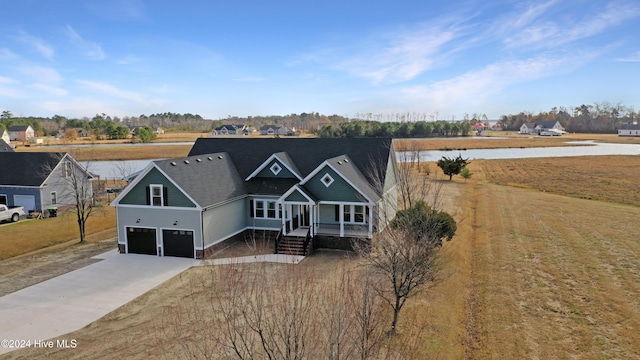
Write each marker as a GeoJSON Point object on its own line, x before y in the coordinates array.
{"type": "Point", "coordinates": [54, 198]}
{"type": "Point", "coordinates": [66, 170]}
{"type": "Point", "coordinates": [327, 180]}
{"type": "Point", "coordinates": [260, 209]}
{"type": "Point", "coordinates": [264, 209]}
{"type": "Point", "coordinates": [358, 213]}
{"type": "Point", "coordinates": [275, 169]}
{"type": "Point", "coordinates": [157, 198]}
{"type": "Point", "coordinates": [346, 215]}
{"type": "Point", "coordinates": [3, 199]}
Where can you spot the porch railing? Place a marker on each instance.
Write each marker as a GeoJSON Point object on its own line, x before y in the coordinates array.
{"type": "Point", "coordinates": [307, 239]}
{"type": "Point", "coordinates": [278, 238]}
{"type": "Point", "coordinates": [350, 230]}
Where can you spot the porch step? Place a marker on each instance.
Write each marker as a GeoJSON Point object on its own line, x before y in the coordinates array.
{"type": "Point", "coordinates": [292, 245]}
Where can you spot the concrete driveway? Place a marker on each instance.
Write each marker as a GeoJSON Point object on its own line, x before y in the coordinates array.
{"type": "Point", "coordinates": [71, 301]}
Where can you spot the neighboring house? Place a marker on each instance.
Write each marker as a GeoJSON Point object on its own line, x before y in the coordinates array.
{"type": "Point", "coordinates": [5, 147]}
{"type": "Point", "coordinates": [76, 132]}
{"type": "Point", "coordinates": [39, 180]}
{"type": "Point", "coordinates": [159, 131]}
{"type": "Point", "coordinates": [479, 126]}
{"type": "Point", "coordinates": [629, 130]}
{"type": "Point", "coordinates": [4, 135]}
{"type": "Point", "coordinates": [275, 130]}
{"type": "Point", "coordinates": [540, 126]}
{"type": "Point", "coordinates": [229, 130]}
{"type": "Point", "coordinates": [21, 133]}
{"type": "Point", "coordinates": [496, 127]}
{"type": "Point", "coordinates": [306, 193]}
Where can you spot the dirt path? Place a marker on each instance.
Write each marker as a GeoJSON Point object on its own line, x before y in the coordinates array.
{"type": "Point", "coordinates": [22, 271]}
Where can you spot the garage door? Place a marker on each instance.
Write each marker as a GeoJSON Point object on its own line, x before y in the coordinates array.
{"type": "Point", "coordinates": [178, 243]}
{"type": "Point", "coordinates": [28, 202]}
{"type": "Point", "coordinates": [141, 241]}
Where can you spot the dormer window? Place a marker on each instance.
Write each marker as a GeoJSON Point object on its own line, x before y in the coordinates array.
{"type": "Point", "coordinates": [275, 168]}
{"type": "Point", "coordinates": [327, 180]}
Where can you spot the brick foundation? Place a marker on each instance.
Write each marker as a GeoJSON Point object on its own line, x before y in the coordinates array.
{"type": "Point", "coordinates": [121, 248]}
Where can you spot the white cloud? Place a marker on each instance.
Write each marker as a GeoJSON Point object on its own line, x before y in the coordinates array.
{"type": "Point", "coordinates": [633, 58]}
{"type": "Point", "coordinates": [7, 80]}
{"type": "Point", "coordinates": [403, 55]}
{"type": "Point", "coordinates": [108, 89]}
{"type": "Point", "coordinates": [475, 87]}
{"type": "Point", "coordinates": [90, 49]}
{"type": "Point", "coordinates": [37, 44]}
{"type": "Point", "coordinates": [41, 74]}
{"type": "Point", "coordinates": [51, 90]}
{"type": "Point", "coordinates": [6, 54]}
{"type": "Point", "coordinates": [545, 33]}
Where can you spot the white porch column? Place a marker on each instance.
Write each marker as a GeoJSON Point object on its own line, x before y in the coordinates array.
{"type": "Point", "coordinates": [341, 220]}
{"type": "Point", "coordinates": [312, 216]}
{"type": "Point", "coordinates": [370, 220]}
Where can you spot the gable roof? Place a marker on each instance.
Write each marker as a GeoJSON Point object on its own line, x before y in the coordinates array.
{"type": "Point", "coordinates": [208, 180]}
{"type": "Point", "coordinates": [344, 166]}
{"type": "Point", "coordinates": [630, 127]}
{"type": "Point", "coordinates": [283, 158]}
{"type": "Point", "coordinates": [19, 127]}
{"type": "Point", "coordinates": [369, 155]}
{"type": "Point", "coordinates": [4, 147]}
{"type": "Point", "coordinates": [27, 168]}
{"type": "Point", "coordinates": [547, 124]}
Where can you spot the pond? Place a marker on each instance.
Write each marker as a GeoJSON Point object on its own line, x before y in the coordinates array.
{"type": "Point", "coordinates": [592, 149]}
{"type": "Point", "coordinates": [117, 169]}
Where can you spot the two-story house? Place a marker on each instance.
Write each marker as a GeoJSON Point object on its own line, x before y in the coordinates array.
{"type": "Point", "coordinates": [318, 192]}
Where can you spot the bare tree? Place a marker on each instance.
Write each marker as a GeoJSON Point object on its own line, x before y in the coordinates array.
{"type": "Point", "coordinates": [74, 186]}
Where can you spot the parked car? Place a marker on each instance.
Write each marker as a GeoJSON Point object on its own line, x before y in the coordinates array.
{"type": "Point", "coordinates": [11, 213]}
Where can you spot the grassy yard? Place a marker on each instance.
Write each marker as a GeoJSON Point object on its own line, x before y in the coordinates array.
{"type": "Point", "coordinates": [529, 274]}
{"type": "Point", "coordinates": [30, 235]}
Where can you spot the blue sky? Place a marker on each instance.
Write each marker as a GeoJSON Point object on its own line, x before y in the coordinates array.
{"type": "Point", "coordinates": [240, 58]}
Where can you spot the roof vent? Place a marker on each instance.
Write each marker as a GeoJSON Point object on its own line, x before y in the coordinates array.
{"type": "Point", "coordinates": [339, 162]}
{"type": "Point", "coordinates": [198, 160]}
{"type": "Point", "coordinates": [346, 160]}
{"type": "Point", "coordinates": [219, 156]}
{"type": "Point", "coordinates": [186, 161]}
{"type": "Point", "coordinates": [209, 158]}
{"type": "Point", "coordinates": [173, 163]}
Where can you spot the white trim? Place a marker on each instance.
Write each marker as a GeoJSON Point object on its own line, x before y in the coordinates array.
{"type": "Point", "coordinates": [330, 179]}
{"type": "Point", "coordinates": [327, 163]}
{"type": "Point", "coordinates": [23, 186]}
{"type": "Point", "coordinates": [275, 168]}
{"type": "Point", "coordinates": [266, 162]}
{"type": "Point", "coordinates": [152, 196]}
{"type": "Point", "coordinates": [147, 207]}
{"type": "Point", "coordinates": [138, 179]}
{"type": "Point", "coordinates": [265, 202]}
{"type": "Point", "coordinates": [295, 187]}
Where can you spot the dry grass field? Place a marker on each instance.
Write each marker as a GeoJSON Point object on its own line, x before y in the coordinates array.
{"type": "Point", "coordinates": [529, 274]}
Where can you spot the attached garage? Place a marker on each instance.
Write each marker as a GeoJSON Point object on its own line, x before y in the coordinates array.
{"type": "Point", "coordinates": [28, 202]}
{"type": "Point", "coordinates": [141, 241]}
{"type": "Point", "coordinates": [178, 243]}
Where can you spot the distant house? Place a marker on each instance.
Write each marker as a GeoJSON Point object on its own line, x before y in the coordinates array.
{"type": "Point", "coordinates": [496, 127]}
{"type": "Point", "coordinates": [629, 130]}
{"type": "Point", "coordinates": [5, 147]}
{"type": "Point", "coordinates": [159, 131]}
{"type": "Point", "coordinates": [76, 132]}
{"type": "Point", "coordinates": [40, 181]}
{"type": "Point", "coordinates": [305, 193]}
{"type": "Point", "coordinates": [229, 130]}
{"type": "Point", "coordinates": [547, 126]}
{"type": "Point", "coordinates": [4, 135]}
{"type": "Point", "coordinates": [479, 126]}
{"type": "Point", "coordinates": [21, 133]}
{"type": "Point", "coordinates": [277, 130]}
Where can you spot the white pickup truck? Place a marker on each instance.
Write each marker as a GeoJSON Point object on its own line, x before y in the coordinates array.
{"type": "Point", "coordinates": [11, 213]}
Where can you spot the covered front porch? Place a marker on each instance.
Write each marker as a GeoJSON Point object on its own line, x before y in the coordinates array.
{"type": "Point", "coordinates": [341, 219]}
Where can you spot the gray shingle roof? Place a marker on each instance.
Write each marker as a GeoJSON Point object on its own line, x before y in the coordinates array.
{"type": "Point", "coordinates": [27, 168]}
{"type": "Point", "coordinates": [344, 165]}
{"type": "Point", "coordinates": [630, 127]}
{"type": "Point", "coordinates": [307, 154]}
{"type": "Point", "coordinates": [4, 147]}
{"type": "Point", "coordinates": [209, 181]}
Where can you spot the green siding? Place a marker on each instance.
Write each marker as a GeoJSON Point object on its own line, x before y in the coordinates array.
{"type": "Point", "coordinates": [339, 190]}
{"type": "Point", "coordinates": [283, 174]}
{"type": "Point", "coordinates": [296, 196]}
{"type": "Point", "coordinates": [138, 194]}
